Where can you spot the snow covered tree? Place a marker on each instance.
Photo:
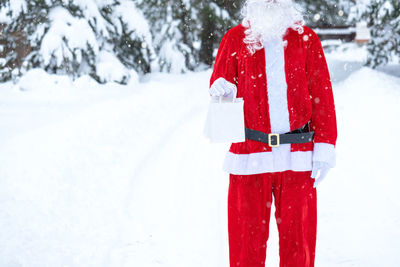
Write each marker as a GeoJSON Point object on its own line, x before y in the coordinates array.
{"type": "Point", "coordinates": [383, 18]}
{"type": "Point", "coordinates": [327, 12]}
{"type": "Point", "coordinates": [17, 23]}
{"type": "Point", "coordinates": [215, 20]}
{"type": "Point", "coordinates": [234, 8]}
{"type": "Point", "coordinates": [101, 38]}
{"type": "Point", "coordinates": [131, 38]}
{"type": "Point", "coordinates": [185, 32]}
{"type": "Point", "coordinates": [174, 30]}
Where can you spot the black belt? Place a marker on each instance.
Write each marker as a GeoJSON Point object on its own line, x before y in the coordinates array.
{"type": "Point", "coordinates": [298, 136]}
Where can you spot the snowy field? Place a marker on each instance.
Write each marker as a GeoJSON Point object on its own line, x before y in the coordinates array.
{"type": "Point", "coordinates": [118, 176]}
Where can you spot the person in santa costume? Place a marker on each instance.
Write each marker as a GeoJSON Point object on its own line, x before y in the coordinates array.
{"type": "Point", "coordinates": [277, 65]}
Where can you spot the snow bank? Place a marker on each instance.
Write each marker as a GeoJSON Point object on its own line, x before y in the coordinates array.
{"type": "Point", "coordinates": [349, 52]}
{"type": "Point", "coordinates": [172, 57]}
{"type": "Point", "coordinates": [110, 69]}
{"type": "Point", "coordinates": [41, 84]}
{"type": "Point", "coordinates": [359, 200]}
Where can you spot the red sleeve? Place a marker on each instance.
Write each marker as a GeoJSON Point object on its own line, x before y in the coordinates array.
{"type": "Point", "coordinates": [323, 119]}
{"type": "Point", "coordinates": [226, 61]}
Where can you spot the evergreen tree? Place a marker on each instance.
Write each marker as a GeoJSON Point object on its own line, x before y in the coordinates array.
{"type": "Point", "coordinates": [383, 18]}
{"type": "Point", "coordinates": [186, 32]}
{"type": "Point", "coordinates": [325, 13]}
{"type": "Point", "coordinates": [215, 20]}
{"type": "Point", "coordinates": [19, 19]}
{"type": "Point", "coordinates": [174, 30]}
{"type": "Point", "coordinates": [130, 38]}
{"type": "Point", "coordinates": [234, 8]}
{"type": "Point", "coordinates": [95, 37]}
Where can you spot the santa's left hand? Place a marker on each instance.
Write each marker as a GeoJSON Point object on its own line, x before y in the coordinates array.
{"type": "Point", "coordinates": [319, 167]}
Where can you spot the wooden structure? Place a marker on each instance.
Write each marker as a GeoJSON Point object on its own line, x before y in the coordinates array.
{"type": "Point", "coordinates": [343, 33]}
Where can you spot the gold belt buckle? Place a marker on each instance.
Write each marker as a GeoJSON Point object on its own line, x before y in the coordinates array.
{"type": "Point", "coordinates": [270, 139]}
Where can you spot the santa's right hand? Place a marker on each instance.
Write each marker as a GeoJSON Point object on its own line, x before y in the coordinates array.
{"type": "Point", "coordinates": [221, 87]}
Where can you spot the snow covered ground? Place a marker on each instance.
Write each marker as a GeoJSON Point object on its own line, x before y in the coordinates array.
{"type": "Point", "coordinates": [114, 175]}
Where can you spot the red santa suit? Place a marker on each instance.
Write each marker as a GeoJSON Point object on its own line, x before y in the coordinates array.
{"type": "Point", "coordinates": [285, 85]}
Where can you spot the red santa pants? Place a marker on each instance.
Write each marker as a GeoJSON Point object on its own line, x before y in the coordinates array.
{"type": "Point", "coordinates": [249, 208]}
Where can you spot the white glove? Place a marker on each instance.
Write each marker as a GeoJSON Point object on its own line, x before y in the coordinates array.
{"type": "Point", "coordinates": [222, 87]}
{"type": "Point", "coordinates": [319, 167]}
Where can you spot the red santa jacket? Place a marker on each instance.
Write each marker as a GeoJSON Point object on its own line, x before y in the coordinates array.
{"type": "Point", "coordinates": [284, 86]}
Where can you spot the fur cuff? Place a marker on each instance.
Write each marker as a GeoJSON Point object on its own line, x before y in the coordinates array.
{"type": "Point", "coordinates": [325, 152]}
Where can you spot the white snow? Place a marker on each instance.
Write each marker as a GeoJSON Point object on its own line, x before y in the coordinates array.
{"type": "Point", "coordinates": [111, 175]}
{"type": "Point", "coordinates": [91, 13]}
{"type": "Point", "coordinates": [335, 31]}
{"type": "Point", "coordinates": [347, 52]}
{"type": "Point", "coordinates": [134, 18]}
{"type": "Point", "coordinates": [172, 57]}
{"type": "Point", "coordinates": [11, 9]}
{"type": "Point", "coordinates": [362, 31]}
{"type": "Point", "coordinates": [109, 68]}
{"type": "Point", "coordinates": [64, 39]}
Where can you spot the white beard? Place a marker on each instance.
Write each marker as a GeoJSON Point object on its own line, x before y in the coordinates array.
{"type": "Point", "coordinates": [269, 19]}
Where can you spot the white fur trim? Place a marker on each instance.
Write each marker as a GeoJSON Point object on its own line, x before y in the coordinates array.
{"type": "Point", "coordinates": [325, 152]}
{"type": "Point", "coordinates": [256, 163]}
{"type": "Point", "coordinates": [277, 86]}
